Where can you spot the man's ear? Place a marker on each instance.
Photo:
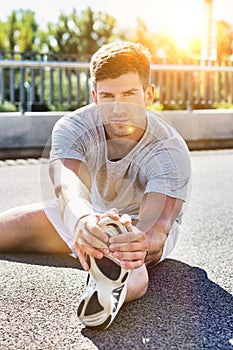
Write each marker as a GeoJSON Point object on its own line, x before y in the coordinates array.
{"type": "Point", "coordinates": [149, 94]}
{"type": "Point", "coordinates": [94, 95]}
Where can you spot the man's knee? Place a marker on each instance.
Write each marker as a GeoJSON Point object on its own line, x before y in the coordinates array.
{"type": "Point", "coordinates": [137, 283]}
{"type": "Point", "coordinates": [28, 229]}
{"type": "Point", "coordinates": [19, 228]}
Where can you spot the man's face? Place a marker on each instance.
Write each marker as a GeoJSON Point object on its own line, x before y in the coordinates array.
{"type": "Point", "coordinates": [122, 103]}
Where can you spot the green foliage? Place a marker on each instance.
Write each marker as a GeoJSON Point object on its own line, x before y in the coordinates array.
{"type": "Point", "coordinates": [28, 30]}
{"type": "Point", "coordinates": [3, 37]}
{"type": "Point", "coordinates": [223, 105]}
{"type": "Point", "coordinates": [224, 39]}
{"type": "Point", "coordinates": [7, 107]}
{"type": "Point", "coordinates": [79, 34]}
{"type": "Point", "coordinates": [18, 32]}
{"type": "Point", "coordinates": [12, 29]}
{"type": "Point", "coordinates": [76, 36]}
{"type": "Point", "coordinates": [82, 33]}
{"type": "Point", "coordinates": [65, 107]}
{"type": "Point", "coordinates": [162, 45]}
{"type": "Point", "coordinates": [156, 106]}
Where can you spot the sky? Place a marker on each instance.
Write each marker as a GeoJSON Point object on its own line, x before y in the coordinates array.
{"type": "Point", "coordinates": [182, 17]}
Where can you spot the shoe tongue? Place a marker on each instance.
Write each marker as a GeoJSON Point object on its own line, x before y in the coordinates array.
{"type": "Point", "coordinates": [112, 227]}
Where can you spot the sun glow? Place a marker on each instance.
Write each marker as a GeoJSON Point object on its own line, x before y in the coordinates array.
{"type": "Point", "coordinates": [182, 38]}
{"type": "Point", "coordinates": [183, 26]}
{"type": "Point", "coordinates": [130, 129]}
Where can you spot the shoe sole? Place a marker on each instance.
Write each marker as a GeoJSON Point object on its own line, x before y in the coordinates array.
{"type": "Point", "coordinates": [106, 286]}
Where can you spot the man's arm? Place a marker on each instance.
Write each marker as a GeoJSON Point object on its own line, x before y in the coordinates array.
{"type": "Point", "coordinates": [156, 217]}
{"type": "Point", "coordinates": [72, 183]}
{"type": "Point", "coordinates": [71, 180]}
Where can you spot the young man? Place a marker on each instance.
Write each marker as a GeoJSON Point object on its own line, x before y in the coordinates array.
{"type": "Point", "coordinates": [120, 174]}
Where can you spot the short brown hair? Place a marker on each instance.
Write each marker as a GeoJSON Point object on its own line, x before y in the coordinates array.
{"type": "Point", "coordinates": [115, 59]}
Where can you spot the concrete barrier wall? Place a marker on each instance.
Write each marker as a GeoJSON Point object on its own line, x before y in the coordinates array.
{"type": "Point", "coordinates": [28, 134]}
{"type": "Point", "coordinates": [203, 129]}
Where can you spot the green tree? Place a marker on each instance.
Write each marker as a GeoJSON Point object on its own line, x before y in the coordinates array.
{"type": "Point", "coordinates": [19, 31]}
{"type": "Point", "coordinates": [8, 30]}
{"type": "Point", "coordinates": [12, 29]}
{"type": "Point", "coordinates": [224, 40]}
{"type": "Point", "coordinates": [160, 45]}
{"type": "Point", "coordinates": [97, 29]}
{"type": "Point", "coordinates": [28, 30]}
{"type": "Point", "coordinates": [80, 35]}
{"type": "Point", "coordinates": [3, 36]}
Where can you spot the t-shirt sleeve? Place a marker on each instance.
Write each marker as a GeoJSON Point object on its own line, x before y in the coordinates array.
{"type": "Point", "coordinates": [169, 170]}
{"type": "Point", "coordinates": [66, 140]}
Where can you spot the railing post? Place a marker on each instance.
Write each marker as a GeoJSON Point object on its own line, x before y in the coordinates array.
{"type": "Point", "coordinates": [41, 82]}
{"type": "Point", "coordinates": [22, 105]}
{"type": "Point", "coordinates": [60, 96]}
{"type": "Point", "coordinates": [87, 88]}
{"type": "Point", "coordinates": [69, 89]}
{"type": "Point", "coordinates": [190, 99]}
{"type": "Point", "coordinates": [28, 91]}
{"type": "Point", "coordinates": [78, 86]}
{"type": "Point", "coordinates": [33, 85]}
{"type": "Point", "coordinates": [3, 82]}
{"type": "Point", "coordinates": [51, 86]}
{"type": "Point", "coordinates": [12, 82]}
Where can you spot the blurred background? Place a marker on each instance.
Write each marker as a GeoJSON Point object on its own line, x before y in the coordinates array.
{"type": "Point", "coordinates": [190, 41]}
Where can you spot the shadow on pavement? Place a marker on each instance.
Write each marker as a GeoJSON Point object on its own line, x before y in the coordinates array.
{"type": "Point", "coordinates": [182, 309]}
{"type": "Point", "coordinates": [53, 260]}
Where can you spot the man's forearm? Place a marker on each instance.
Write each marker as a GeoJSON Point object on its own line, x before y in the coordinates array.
{"type": "Point", "coordinates": [74, 211]}
{"type": "Point", "coordinates": [156, 238]}
{"type": "Point", "coordinates": [73, 195]}
{"type": "Point", "coordinates": [74, 203]}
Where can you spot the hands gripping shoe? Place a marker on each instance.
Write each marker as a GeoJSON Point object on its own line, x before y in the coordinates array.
{"type": "Point", "coordinates": [106, 284]}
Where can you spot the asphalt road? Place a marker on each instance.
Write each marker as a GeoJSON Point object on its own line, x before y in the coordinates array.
{"type": "Point", "coordinates": [189, 302]}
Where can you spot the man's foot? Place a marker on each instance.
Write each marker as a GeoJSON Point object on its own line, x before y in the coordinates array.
{"type": "Point", "coordinates": [106, 284]}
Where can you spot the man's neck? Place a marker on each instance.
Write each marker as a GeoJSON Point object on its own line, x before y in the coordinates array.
{"type": "Point", "coordinates": [119, 147]}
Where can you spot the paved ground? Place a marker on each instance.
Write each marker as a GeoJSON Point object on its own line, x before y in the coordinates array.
{"type": "Point", "coordinates": [189, 303]}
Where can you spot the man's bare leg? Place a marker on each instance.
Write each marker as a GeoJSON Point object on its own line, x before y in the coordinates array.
{"type": "Point", "coordinates": [137, 283]}
{"type": "Point", "coordinates": [27, 229]}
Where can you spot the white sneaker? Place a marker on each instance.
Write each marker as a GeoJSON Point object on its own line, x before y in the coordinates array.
{"type": "Point", "coordinates": [106, 284]}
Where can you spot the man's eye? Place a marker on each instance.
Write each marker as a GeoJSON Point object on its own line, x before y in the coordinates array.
{"type": "Point", "coordinates": [129, 93]}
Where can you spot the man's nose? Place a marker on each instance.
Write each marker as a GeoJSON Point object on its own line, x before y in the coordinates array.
{"type": "Point", "coordinates": [118, 106]}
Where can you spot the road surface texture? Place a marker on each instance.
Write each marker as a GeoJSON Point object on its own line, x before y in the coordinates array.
{"type": "Point", "coordinates": [189, 302]}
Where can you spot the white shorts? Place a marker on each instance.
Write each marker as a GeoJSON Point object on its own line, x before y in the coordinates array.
{"type": "Point", "coordinates": [53, 214]}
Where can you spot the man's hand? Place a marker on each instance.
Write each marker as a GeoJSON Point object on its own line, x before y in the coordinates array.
{"type": "Point", "coordinates": [90, 239]}
{"type": "Point", "coordinates": [130, 248]}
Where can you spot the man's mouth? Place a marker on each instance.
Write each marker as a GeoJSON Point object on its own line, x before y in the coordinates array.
{"type": "Point", "coordinates": [119, 121]}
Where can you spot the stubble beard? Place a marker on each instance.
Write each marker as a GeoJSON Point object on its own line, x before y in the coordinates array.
{"type": "Point", "coordinates": [120, 130]}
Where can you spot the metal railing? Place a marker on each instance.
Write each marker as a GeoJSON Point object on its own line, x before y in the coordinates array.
{"type": "Point", "coordinates": [33, 83]}
{"type": "Point", "coordinates": [202, 85]}
{"type": "Point", "coordinates": [40, 84]}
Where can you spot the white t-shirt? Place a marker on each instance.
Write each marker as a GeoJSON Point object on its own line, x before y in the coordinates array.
{"type": "Point", "coordinates": [159, 162]}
